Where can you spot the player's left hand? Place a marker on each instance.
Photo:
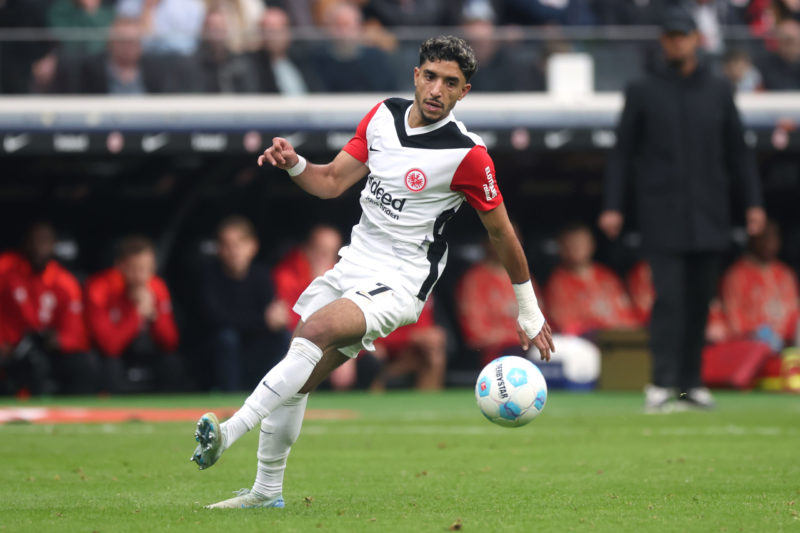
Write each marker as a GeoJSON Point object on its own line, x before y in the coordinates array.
{"type": "Point", "coordinates": [543, 341]}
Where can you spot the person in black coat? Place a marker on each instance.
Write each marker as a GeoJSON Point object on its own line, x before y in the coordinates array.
{"type": "Point", "coordinates": [680, 145]}
{"type": "Point", "coordinates": [246, 324]}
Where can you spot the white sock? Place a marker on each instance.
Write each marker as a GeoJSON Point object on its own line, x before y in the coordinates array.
{"type": "Point", "coordinates": [281, 383]}
{"type": "Point", "coordinates": [278, 432]}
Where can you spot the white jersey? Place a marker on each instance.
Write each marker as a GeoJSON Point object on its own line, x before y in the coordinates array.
{"type": "Point", "coordinates": [418, 178]}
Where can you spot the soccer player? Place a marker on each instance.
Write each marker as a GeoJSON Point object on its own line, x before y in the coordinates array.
{"type": "Point", "coordinates": [421, 165]}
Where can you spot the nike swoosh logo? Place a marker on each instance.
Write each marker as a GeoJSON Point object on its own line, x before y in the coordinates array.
{"type": "Point", "coordinates": [14, 143]}
{"type": "Point", "coordinates": [270, 388]}
{"type": "Point", "coordinates": [151, 143]}
{"type": "Point", "coordinates": [557, 139]}
{"type": "Point", "coordinates": [371, 149]}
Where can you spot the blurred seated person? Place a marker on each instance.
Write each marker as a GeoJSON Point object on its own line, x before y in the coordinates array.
{"type": "Point", "coordinates": [318, 254]}
{"type": "Point", "coordinates": [44, 347]}
{"type": "Point", "coordinates": [501, 69]}
{"type": "Point", "coordinates": [129, 315]}
{"type": "Point", "coordinates": [223, 71]}
{"type": "Point", "coordinates": [82, 14]}
{"type": "Point", "coordinates": [640, 288]}
{"type": "Point", "coordinates": [246, 325]}
{"type": "Point", "coordinates": [345, 63]}
{"type": "Point", "coordinates": [295, 271]}
{"type": "Point", "coordinates": [781, 69]}
{"type": "Point", "coordinates": [419, 350]}
{"type": "Point", "coordinates": [739, 70]}
{"type": "Point", "coordinates": [277, 72]}
{"type": "Point", "coordinates": [168, 26]}
{"type": "Point", "coordinates": [581, 295]}
{"type": "Point", "coordinates": [243, 20]}
{"type": "Point", "coordinates": [760, 293]}
{"type": "Point", "coordinates": [122, 69]}
{"type": "Point", "coordinates": [487, 308]}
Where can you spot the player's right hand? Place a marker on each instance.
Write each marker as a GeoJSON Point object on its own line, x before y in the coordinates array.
{"type": "Point", "coordinates": [281, 154]}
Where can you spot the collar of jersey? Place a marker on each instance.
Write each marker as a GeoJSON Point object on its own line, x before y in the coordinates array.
{"type": "Point", "coordinates": [424, 129]}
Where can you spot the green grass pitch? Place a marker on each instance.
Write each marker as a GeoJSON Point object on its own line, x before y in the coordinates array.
{"type": "Point", "coordinates": [423, 462]}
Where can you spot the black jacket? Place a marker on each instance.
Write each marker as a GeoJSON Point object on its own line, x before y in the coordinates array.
{"type": "Point", "coordinates": [680, 145]}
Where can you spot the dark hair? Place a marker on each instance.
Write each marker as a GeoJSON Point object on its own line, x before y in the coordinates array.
{"type": "Point", "coordinates": [133, 245]}
{"type": "Point", "coordinates": [239, 222]}
{"type": "Point", "coordinates": [574, 226]}
{"type": "Point", "coordinates": [449, 48]}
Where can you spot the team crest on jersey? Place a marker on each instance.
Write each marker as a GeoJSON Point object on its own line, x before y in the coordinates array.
{"type": "Point", "coordinates": [416, 180]}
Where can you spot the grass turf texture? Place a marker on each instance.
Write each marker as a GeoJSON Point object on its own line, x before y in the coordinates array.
{"type": "Point", "coordinates": [423, 462]}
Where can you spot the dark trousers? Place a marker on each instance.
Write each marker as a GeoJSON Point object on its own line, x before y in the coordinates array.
{"type": "Point", "coordinates": [684, 285]}
{"type": "Point", "coordinates": [241, 360]}
{"type": "Point", "coordinates": [143, 367]}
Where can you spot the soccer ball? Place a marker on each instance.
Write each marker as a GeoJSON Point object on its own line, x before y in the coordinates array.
{"type": "Point", "coordinates": [511, 391]}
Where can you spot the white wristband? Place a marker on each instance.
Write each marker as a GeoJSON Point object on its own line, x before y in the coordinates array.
{"type": "Point", "coordinates": [531, 319]}
{"type": "Point", "coordinates": [299, 167]}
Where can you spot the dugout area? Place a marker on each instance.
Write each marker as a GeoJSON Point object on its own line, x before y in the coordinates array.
{"type": "Point", "coordinates": [171, 168]}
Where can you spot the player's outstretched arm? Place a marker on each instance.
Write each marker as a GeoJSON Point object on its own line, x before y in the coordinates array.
{"type": "Point", "coordinates": [531, 325]}
{"type": "Point", "coordinates": [323, 181]}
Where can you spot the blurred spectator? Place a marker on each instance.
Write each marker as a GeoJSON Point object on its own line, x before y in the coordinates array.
{"type": "Point", "coordinates": [411, 12]}
{"type": "Point", "coordinates": [781, 69]}
{"type": "Point", "coordinates": [43, 343]}
{"type": "Point", "coordinates": [243, 18]}
{"type": "Point", "coordinates": [418, 349]}
{"type": "Point", "coordinates": [129, 315]}
{"type": "Point", "coordinates": [581, 295]}
{"type": "Point", "coordinates": [740, 71]}
{"type": "Point", "coordinates": [318, 254]}
{"type": "Point", "coordinates": [487, 307]}
{"type": "Point", "coordinates": [501, 68]}
{"type": "Point", "coordinates": [760, 293]}
{"type": "Point", "coordinates": [25, 65]}
{"type": "Point", "coordinates": [247, 326]}
{"type": "Point", "coordinates": [168, 26]}
{"type": "Point", "coordinates": [277, 71]}
{"type": "Point", "coordinates": [83, 15]}
{"type": "Point", "coordinates": [224, 71]}
{"type": "Point", "coordinates": [345, 63]}
{"type": "Point", "coordinates": [123, 70]}
{"type": "Point", "coordinates": [549, 12]}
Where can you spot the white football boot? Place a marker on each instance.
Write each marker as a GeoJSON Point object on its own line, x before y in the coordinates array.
{"type": "Point", "coordinates": [247, 499]}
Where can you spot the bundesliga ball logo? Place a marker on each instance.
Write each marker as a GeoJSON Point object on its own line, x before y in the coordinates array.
{"type": "Point", "coordinates": [415, 180]}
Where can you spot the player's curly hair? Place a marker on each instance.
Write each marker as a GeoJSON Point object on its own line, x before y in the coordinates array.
{"type": "Point", "coordinates": [449, 48]}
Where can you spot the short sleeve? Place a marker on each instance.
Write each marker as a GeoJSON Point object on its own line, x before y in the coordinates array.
{"type": "Point", "coordinates": [475, 177]}
{"type": "Point", "coordinates": [357, 146]}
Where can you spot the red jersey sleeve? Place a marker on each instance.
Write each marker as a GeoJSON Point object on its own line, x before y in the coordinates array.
{"type": "Point", "coordinates": [110, 337]}
{"type": "Point", "coordinates": [69, 324]}
{"type": "Point", "coordinates": [163, 328]}
{"type": "Point", "coordinates": [357, 146]}
{"type": "Point", "coordinates": [475, 177]}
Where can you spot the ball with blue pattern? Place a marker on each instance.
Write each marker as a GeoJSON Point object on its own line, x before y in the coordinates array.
{"type": "Point", "coordinates": [511, 391]}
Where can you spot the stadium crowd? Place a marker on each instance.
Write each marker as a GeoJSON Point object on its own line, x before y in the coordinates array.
{"type": "Point", "coordinates": [298, 47]}
{"type": "Point", "coordinates": [116, 332]}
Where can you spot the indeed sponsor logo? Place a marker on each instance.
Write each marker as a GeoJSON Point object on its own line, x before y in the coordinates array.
{"type": "Point", "coordinates": [384, 199]}
{"type": "Point", "coordinates": [489, 188]}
